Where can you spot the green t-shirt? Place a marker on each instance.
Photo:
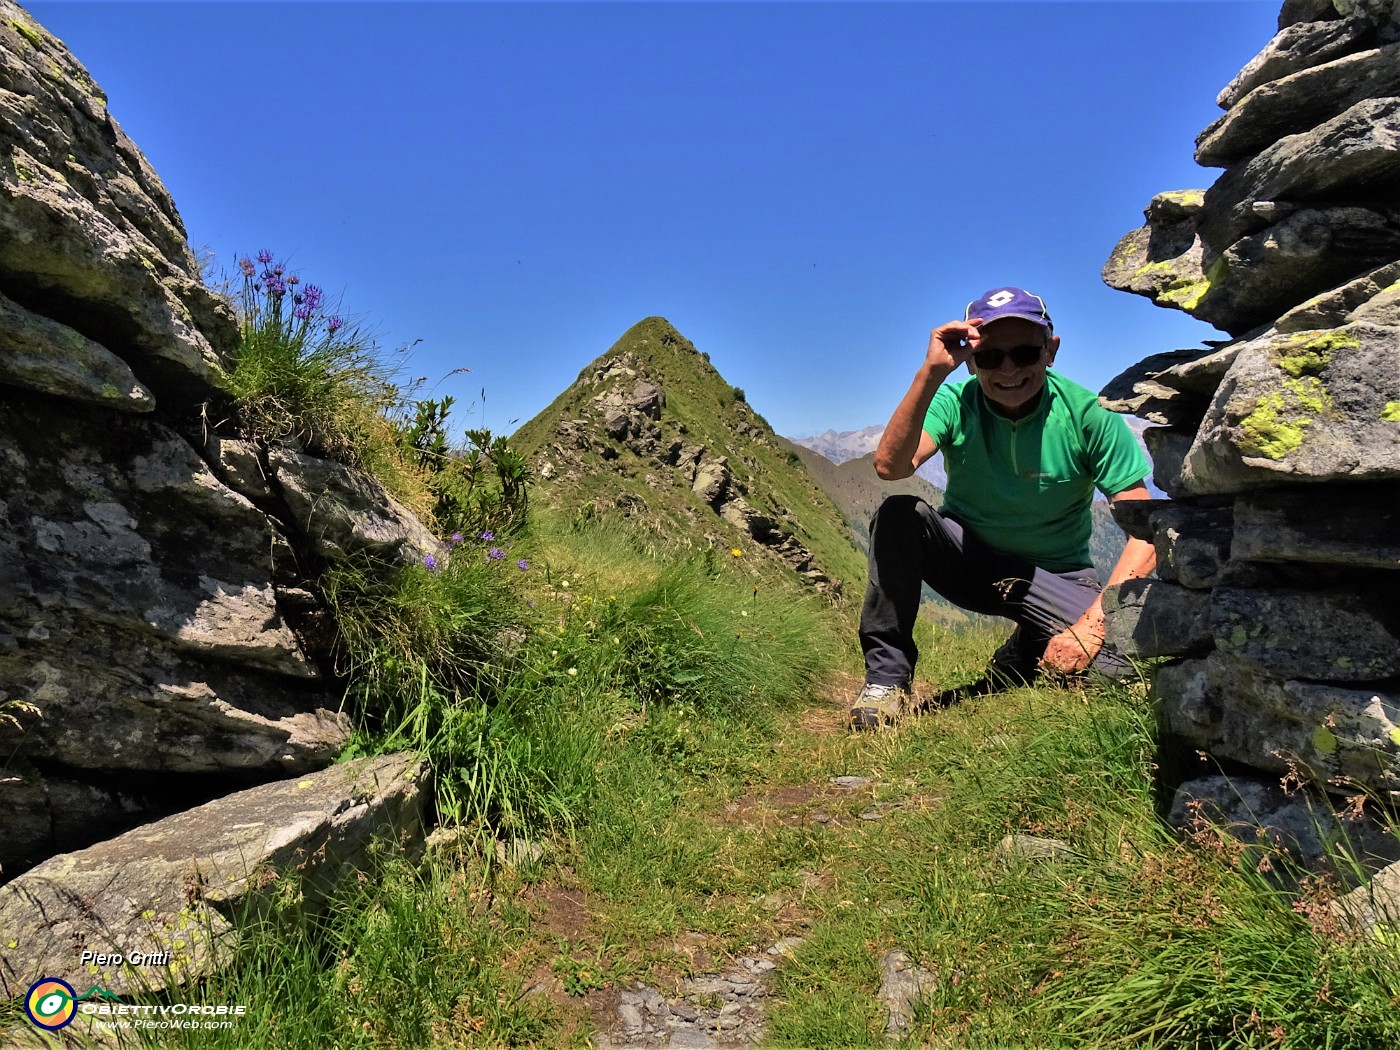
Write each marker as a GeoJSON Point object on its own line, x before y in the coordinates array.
{"type": "Point", "coordinates": [1024, 486]}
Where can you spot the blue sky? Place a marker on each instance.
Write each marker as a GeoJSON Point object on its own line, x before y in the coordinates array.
{"type": "Point", "coordinates": [803, 189]}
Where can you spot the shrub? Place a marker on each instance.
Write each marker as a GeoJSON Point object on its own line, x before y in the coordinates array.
{"type": "Point", "coordinates": [302, 375]}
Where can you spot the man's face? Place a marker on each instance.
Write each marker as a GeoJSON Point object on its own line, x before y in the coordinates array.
{"type": "Point", "coordinates": [1009, 386]}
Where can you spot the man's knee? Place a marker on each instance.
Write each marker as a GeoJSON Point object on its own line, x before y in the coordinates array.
{"type": "Point", "coordinates": [901, 514]}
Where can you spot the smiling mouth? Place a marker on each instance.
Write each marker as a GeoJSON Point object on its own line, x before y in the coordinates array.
{"type": "Point", "coordinates": [1016, 385]}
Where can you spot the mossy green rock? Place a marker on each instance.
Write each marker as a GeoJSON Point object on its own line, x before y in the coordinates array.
{"type": "Point", "coordinates": [1301, 407]}
{"type": "Point", "coordinates": [1238, 709]}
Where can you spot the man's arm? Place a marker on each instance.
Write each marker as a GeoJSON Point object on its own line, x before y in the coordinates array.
{"type": "Point", "coordinates": [1074, 648]}
{"type": "Point", "coordinates": [904, 446]}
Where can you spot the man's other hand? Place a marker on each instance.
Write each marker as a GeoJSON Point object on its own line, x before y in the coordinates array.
{"type": "Point", "coordinates": [1074, 648]}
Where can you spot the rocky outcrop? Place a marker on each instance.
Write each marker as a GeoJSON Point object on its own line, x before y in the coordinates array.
{"type": "Point", "coordinates": [153, 562]}
{"type": "Point", "coordinates": [175, 889]}
{"type": "Point", "coordinates": [622, 419]}
{"type": "Point", "coordinates": [1279, 555]}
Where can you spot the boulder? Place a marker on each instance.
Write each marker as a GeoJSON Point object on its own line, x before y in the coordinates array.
{"type": "Point", "coordinates": [1298, 46]}
{"type": "Point", "coordinates": [1162, 260]}
{"type": "Point", "coordinates": [712, 480]}
{"type": "Point", "coordinates": [1375, 904]}
{"type": "Point", "coordinates": [1298, 102]}
{"type": "Point", "coordinates": [1302, 407]}
{"type": "Point", "coordinates": [1348, 635]}
{"type": "Point", "coordinates": [1358, 525]}
{"type": "Point", "coordinates": [180, 885]}
{"type": "Point", "coordinates": [344, 511]}
{"type": "Point", "coordinates": [89, 238]}
{"type": "Point", "coordinates": [1138, 391]}
{"type": "Point", "coordinates": [1168, 447]}
{"type": "Point", "coordinates": [1339, 739]}
{"type": "Point", "coordinates": [1294, 11]}
{"type": "Point", "coordinates": [1144, 619]}
{"type": "Point", "coordinates": [1357, 152]}
{"type": "Point", "coordinates": [1193, 543]}
{"type": "Point", "coordinates": [50, 358]}
{"type": "Point", "coordinates": [138, 607]}
{"type": "Point", "coordinates": [1271, 821]}
{"type": "Point", "coordinates": [1348, 302]}
{"type": "Point", "coordinates": [1306, 253]}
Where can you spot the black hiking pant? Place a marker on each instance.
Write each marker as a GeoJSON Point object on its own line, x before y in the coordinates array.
{"type": "Point", "coordinates": [911, 543]}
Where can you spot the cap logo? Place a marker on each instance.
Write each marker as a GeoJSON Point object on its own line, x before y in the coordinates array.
{"type": "Point", "coordinates": [1000, 299]}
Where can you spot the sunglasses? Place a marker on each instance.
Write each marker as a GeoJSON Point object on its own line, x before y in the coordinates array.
{"type": "Point", "coordinates": [1021, 356]}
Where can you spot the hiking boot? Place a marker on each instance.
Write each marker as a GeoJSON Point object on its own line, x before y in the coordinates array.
{"type": "Point", "coordinates": [878, 705]}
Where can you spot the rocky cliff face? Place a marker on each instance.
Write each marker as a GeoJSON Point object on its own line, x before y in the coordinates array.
{"type": "Point", "coordinates": [1279, 554]}
{"type": "Point", "coordinates": [152, 606]}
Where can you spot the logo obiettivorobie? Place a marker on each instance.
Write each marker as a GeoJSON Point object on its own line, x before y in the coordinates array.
{"type": "Point", "coordinates": [51, 1003]}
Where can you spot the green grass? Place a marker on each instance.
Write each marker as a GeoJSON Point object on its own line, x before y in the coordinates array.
{"type": "Point", "coordinates": [665, 725]}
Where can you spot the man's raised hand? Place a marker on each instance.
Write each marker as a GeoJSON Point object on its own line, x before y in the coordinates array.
{"type": "Point", "coordinates": [951, 344]}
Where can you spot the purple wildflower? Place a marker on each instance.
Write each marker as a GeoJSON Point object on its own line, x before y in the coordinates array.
{"type": "Point", "coordinates": [313, 296]}
{"type": "Point", "coordinates": [264, 257]}
{"type": "Point", "coordinates": [488, 536]}
{"type": "Point", "coordinates": [524, 565]}
{"type": "Point", "coordinates": [279, 270]}
{"type": "Point", "coordinates": [333, 324]}
{"type": "Point", "coordinates": [429, 562]}
{"type": "Point", "coordinates": [302, 313]}
{"type": "Point", "coordinates": [275, 285]}
{"type": "Point", "coordinates": [495, 554]}
{"type": "Point", "coordinates": [294, 279]}
{"type": "Point", "coordinates": [456, 538]}
{"type": "Point", "coordinates": [246, 265]}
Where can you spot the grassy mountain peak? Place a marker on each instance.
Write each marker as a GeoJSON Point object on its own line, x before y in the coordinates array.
{"type": "Point", "coordinates": [650, 434]}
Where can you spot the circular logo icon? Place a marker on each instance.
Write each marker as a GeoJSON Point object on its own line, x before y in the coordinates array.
{"type": "Point", "coordinates": [51, 1003]}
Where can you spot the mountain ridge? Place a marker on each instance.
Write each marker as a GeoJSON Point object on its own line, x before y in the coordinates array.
{"type": "Point", "coordinates": [652, 436]}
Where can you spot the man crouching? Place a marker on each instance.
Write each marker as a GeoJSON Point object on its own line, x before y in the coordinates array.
{"type": "Point", "coordinates": [1024, 449]}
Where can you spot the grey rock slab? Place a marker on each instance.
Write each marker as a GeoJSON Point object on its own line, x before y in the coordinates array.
{"type": "Point", "coordinates": [123, 522]}
{"type": "Point", "coordinates": [40, 354]}
{"type": "Point", "coordinates": [903, 984]}
{"type": "Point", "coordinates": [1168, 447]}
{"type": "Point", "coordinates": [86, 227]}
{"type": "Point", "coordinates": [1033, 847]}
{"type": "Point", "coordinates": [1298, 102]}
{"type": "Point", "coordinates": [155, 707]}
{"type": "Point", "coordinates": [1375, 903]}
{"type": "Point", "coordinates": [1296, 47]}
{"type": "Point", "coordinates": [1340, 738]}
{"type": "Point", "coordinates": [1147, 618]}
{"type": "Point", "coordinates": [1193, 543]}
{"type": "Point", "coordinates": [1339, 636]}
{"type": "Point", "coordinates": [1303, 407]}
{"type": "Point", "coordinates": [342, 510]}
{"type": "Point", "coordinates": [177, 885]}
{"type": "Point", "coordinates": [1146, 390]}
{"type": "Point", "coordinates": [1305, 254]}
{"type": "Point", "coordinates": [694, 1038]}
{"type": "Point", "coordinates": [1162, 261]}
{"type": "Point", "coordinates": [1355, 152]}
{"type": "Point", "coordinates": [1343, 525]}
{"type": "Point", "coordinates": [1337, 306]}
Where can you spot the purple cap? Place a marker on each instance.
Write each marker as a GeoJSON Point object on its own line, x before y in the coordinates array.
{"type": "Point", "coordinates": [1009, 302]}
